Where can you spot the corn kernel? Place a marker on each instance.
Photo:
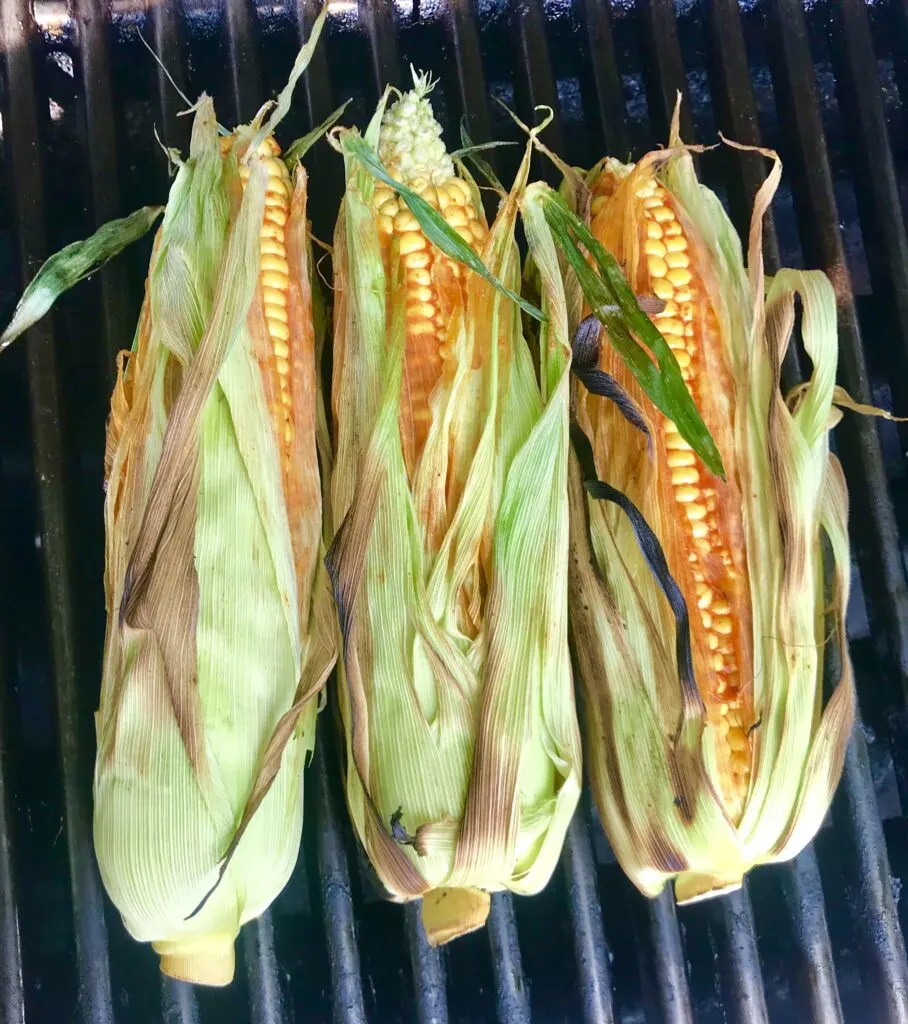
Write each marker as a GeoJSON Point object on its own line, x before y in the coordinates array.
{"type": "Point", "coordinates": [675, 260]}
{"type": "Point", "coordinates": [684, 475]}
{"type": "Point", "coordinates": [276, 215]}
{"type": "Point", "coordinates": [271, 261]}
{"type": "Point", "coordinates": [275, 279]}
{"type": "Point", "coordinates": [273, 247]}
{"type": "Point", "coordinates": [279, 331]}
{"type": "Point", "coordinates": [456, 216]}
{"type": "Point", "coordinates": [656, 266]}
{"type": "Point", "coordinates": [412, 242]}
{"type": "Point", "coordinates": [670, 325]}
{"type": "Point", "coordinates": [687, 494]}
{"type": "Point", "coordinates": [420, 310]}
{"type": "Point", "coordinates": [676, 442]}
{"type": "Point", "coordinates": [674, 459]}
{"type": "Point", "coordinates": [405, 221]}
{"type": "Point", "coordinates": [680, 276]}
{"type": "Point", "coordinates": [382, 195]}
{"type": "Point", "coordinates": [417, 327]}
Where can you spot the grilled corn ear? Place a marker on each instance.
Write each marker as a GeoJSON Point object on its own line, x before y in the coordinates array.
{"type": "Point", "coordinates": [699, 783]}
{"type": "Point", "coordinates": [450, 567]}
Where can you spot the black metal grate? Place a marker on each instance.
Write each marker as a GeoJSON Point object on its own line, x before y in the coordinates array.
{"type": "Point", "coordinates": [817, 939]}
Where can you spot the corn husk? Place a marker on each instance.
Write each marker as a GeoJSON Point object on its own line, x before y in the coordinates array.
{"type": "Point", "coordinates": [462, 748]}
{"type": "Point", "coordinates": [654, 746]}
{"type": "Point", "coordinates": [220, 630]}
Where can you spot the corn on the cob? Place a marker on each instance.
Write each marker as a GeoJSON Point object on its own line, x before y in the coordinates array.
{"type": "Point", "coordinates": [219, 630]}
{"type": "Point", "coordinates": [699, 786]}
{"type": "Point", "coordinates": [450, 566]}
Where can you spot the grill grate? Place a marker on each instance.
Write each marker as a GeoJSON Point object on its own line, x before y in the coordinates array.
{"type": "Point", "coordinates": [817, 939]}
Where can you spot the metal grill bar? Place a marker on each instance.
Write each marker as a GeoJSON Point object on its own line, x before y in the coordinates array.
{"type": "Point", "coordinates": [21, 129]}
{"type": "Point", "coordinates": [607, 82]}
{"type": "Point", "coordinates": [12, 996]}
{"type": "Point", "coordinates": [664, 69]}
{"type": "Point", "coordinates": [91, 21]}
{"type": "Point", "coordinates": [539, 82]}
{"type": "Point", "coordinates": [590, 949]}
{"type": "Point", "coordinates": [881, 947]}
{"type": "Point", "coordinates": [511, 994]}
{"type": "Point", "coordinates": [876, 188]}
{"type": "Point", "coordinates": [737, 113]}
{"type": "Point", "coordinates": [266, 999]}
{"type": "Point", "coordinates": [167, 40]}
{"type": "Point", "coordinates": [337, 899]}
{"type": "Point", "coordinates": [804, 898]}
{"type": "Point", "coordinates": [178, 1002]}
{"type": "Point", "coordinates": [379, 22]}
{"type": "Point", "coordinates": [429, 978]}
{"type": "Point", "coordinates": [672, 989]}
{"type": "Point", "coordinates": [471, 78]}
{"type": "Point", "coordinates": [739, 967]}
{"type": "Point", "coordinates": [244, 67]}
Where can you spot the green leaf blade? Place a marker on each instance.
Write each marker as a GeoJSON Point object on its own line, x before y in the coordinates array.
{"type": "Point", "coordinates": [613, 303]}
{"type": "Point", "coordinates": [74, 263]}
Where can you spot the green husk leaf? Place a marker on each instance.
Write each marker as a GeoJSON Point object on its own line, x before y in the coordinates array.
{"type": "Point", "coordinates": [614, 304]}
{"type": "Point", "coordinates": [482, 165]}
{"type": "Point", "coordinates": [74, 263]}
{"type": "Point", "coordinates": [298, 149]}
{"type": "Point", "coordinates": [439, 233]}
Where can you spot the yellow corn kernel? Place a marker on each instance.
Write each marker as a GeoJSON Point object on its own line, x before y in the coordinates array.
{"type": "Point", "coordinates": [412, 242]}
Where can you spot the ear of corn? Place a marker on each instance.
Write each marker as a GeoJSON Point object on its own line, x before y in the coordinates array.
{"type": "Point", "coordinates": [463, 756]}
{"type": "Point", "coordinates": [220, 628]}
{"type": "Point", "coordinates": [700, 789]}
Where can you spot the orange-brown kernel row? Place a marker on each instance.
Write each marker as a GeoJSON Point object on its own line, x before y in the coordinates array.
{"type": "Point", "coordinates": [274, 274]}
{"type": "Point", "coordinates": [688, 324]}
{"type": "Point", "coordinates": [426, 350]}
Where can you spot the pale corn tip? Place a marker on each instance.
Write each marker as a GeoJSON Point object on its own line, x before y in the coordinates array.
{"type": "Point", "coordinates": [410, 144]}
